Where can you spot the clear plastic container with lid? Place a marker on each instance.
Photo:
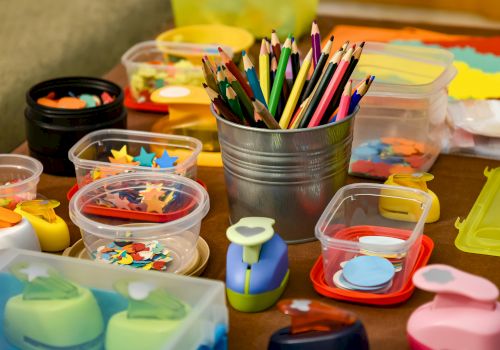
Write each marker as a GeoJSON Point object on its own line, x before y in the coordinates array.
{"type": "Point", "coordinates": [204, 325]}
{"type": "Point", "coordinates": [372, 222]}
{"type": "Point", "coordinates": [92, 154]}
{"type": "Point", "coordinates": [153, 64]}
{"type": "Point", "coordinates": [402, 122]}
{"type": "Point", "coordinates": [19, 176]}
{"type": "Point", "coordinates": [140, 220]}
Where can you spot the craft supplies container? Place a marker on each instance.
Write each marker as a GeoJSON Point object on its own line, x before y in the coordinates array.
{"type": "Point", "coordinates": [236, 38]}
{"type": "Point", "coordinates": [257, 16]}
{"type": "Point", "coordinates": [19, 176]}
{"type": "Point", "coordinates": [204, 325]}
{"type": "Point", "coordinates": [402, 123]}
{"type": "Point", "coordinates": [368, 210]}
{"type": "Point", "coordinates": [90, 155]}
{"type": "Point", "coordinates": [288, 175]}
{"type": "Point", "coordinates": [153, 64]}
{"type": "Point", "coordinates": [158, 210]}
{"type": "Point", "coordinates": [51, 131]}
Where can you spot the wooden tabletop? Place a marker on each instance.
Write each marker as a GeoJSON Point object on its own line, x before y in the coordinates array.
{"type": "Point", "coordinates": [458, 181]}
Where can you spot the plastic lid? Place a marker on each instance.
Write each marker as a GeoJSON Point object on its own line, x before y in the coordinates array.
{"type": "Point", "coordinates": [138, 205]}
{"type": "Point", "coordinates": [405, 70]}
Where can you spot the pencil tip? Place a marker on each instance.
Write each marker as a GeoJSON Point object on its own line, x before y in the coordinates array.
{"type": "Point", "coordinates": [273, 30]}
{"type": "Point", "coordinates": [362, 44]}
{"type": "Point", "coordinates": [331, 38]}
{"type": "Point", "coordinates": [205, 85]}
{"type": "Point", "coordinates": [314, 21]}
{"type": "Point", "coordinates": [243, 52]}
{"type": "Point", "coordinates": [220, 49]}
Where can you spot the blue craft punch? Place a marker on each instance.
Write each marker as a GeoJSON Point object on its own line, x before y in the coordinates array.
{"type": "Point", "coordinates": [257, 265]}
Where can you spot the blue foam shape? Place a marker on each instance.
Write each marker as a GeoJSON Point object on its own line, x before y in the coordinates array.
{"type": "Point", "coordinates": [368, 271]}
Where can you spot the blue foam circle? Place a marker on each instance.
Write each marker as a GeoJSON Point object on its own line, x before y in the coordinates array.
{"type": "Point", "coordinates": [368, 271]}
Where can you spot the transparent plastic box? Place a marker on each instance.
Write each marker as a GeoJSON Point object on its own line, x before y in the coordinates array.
{"type": "Point", "coordinates": [207, 316]}
{"type": "Point", "coordinates": [161, 211]}
{"type": "Point", "coordinates": [153, 64]}
{"type": "Point", "coordinates": [19, 176]}
{"type": "Point", "coordinates": [402, 123]}
{"type": "Point", "coordinates": [368, 210]}
{"type": "Point", "coordinates": [91, 154]}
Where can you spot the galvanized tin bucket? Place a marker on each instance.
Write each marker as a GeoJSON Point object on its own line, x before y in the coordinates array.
{"type": "Point", "coordinates": [287, 175]}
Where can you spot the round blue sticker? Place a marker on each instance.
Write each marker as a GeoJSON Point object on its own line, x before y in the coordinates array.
{"type": "Point", "coordinates": [368, 271]}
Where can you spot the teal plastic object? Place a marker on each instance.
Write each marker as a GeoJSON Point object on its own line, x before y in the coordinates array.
{"type": "Point", "coordinates": [479, 233]}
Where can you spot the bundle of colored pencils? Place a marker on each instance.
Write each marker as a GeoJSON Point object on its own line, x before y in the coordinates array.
{"type": "Point", "coordinates": [319, 92]}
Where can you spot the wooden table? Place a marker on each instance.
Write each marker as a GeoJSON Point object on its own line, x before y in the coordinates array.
{"type": "Point", "coordinates": [458, 181]}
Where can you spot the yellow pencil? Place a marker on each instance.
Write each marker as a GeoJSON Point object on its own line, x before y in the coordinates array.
{"type": "Point", "coordinates": [296, 90]}
{"type": "Point", "coordinates": [264, 70]}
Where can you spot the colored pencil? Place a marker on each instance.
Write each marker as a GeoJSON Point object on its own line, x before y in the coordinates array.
{"type": "Point", "coordinates": [320, 88]}
{"type": "Point", "coordinates": [221, 106]}
{"type": "Point", "coordinates": [233, 102]}
{"type": "Point", "coordinates": [331, 89]}
{"type": "Point", "coordinates": [315, 43]}
{"type": "Point", "coordinates": [264, 70]}
{"type": "Point", "coordinates": [355, 59]}
{"type": "Point", "coordinates": [344, 102]}
{"type": "Point", "coordinates": [236, 72]}
{"type": "Point", "coordinates": [272, 72]}
{"type": "Point", "coordinates": [209, 75]}
{"type": "Point", "coordinates": [295, 59]}
{"type": "Point", "coordinates": [358, 94]}
{"type": "Point", "coordinates": [299, 114]}
{"type": "Point", "coordinates": [242, 96]}
{"type": "Point", "coordinates": [280, 76]}
{"type": "Point", "coordinates": [252, 78]}
{"type": "Point", "coordinates": [275, 45]}
{"type": "Point", "coordinates": [295, 94]}
{"type": "Point", "coordinates": [318, 70]}
{"type": "Point", "coordinates": [222, 83]}
{"type": "Point", "coordinates": [263, 113]}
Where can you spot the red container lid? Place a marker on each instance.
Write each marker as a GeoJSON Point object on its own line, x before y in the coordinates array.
{"type": "Point", "coordinates": [147, 106]}
{"type": "Point", "coordinates": [318, 279]}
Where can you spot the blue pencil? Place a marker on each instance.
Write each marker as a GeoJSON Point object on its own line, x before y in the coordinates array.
{"type": "Point", "coordinates": [252, 78]}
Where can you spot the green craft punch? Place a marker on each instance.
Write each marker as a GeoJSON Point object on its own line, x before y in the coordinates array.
{"type": "Point", "coordinates": [51, 313]}
{"type": "Point", "coordinates": [151, 319]}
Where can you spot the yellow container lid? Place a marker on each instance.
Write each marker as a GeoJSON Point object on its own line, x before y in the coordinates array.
{"type": "Point", "coordinates": [237, 39]}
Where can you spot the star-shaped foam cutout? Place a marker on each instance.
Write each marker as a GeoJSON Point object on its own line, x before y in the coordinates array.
{"type": "Point", "coordinates": [122, 160]}
{"type": "Point", "coordinates": [34, 271]}
{"type": "Point", "coordinates": [150, 187]}
{"type": "Point", "coordinates": [155, 205]}
{"type": "Point", "coordinates": [153, 193]}
{"type": "Point", "coordinates": [122, 153]}
{"type": "Point", "coordinates": [144, 158]}
{"type": "Point", "coordinates": [120, 203]}
{"type": "Point", "coordinates": [165, 161]}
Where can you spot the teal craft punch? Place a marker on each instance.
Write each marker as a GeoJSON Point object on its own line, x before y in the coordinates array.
{"type": "Point", "coordinates": [51, 312]}
{"type": "Point", "coordinates": [152, 317]}
{"type": "Point", "coordinates": [257, 265]}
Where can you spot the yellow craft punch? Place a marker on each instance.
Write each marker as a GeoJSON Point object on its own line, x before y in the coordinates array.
{"type": "Point", "coordinates": [189, 115]}
{"type": "Point", "coordinates": [400, 208]}
{"type": "Point", "coordinates": [52, 231]}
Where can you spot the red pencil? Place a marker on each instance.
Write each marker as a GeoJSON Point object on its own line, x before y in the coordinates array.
{"type": "Point", "coordinates": [332, 87]}
{"type": "Point", "coordinates": [236, 72]}
{"type": "Point", "coordinates": [345, 101]}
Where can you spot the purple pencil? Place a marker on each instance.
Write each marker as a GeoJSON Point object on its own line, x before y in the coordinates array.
{"type": "Point", "coordinates": [315, 42]}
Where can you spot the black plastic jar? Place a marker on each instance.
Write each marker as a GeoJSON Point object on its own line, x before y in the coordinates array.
{"type": "Point", "coordinates": [51, 132]}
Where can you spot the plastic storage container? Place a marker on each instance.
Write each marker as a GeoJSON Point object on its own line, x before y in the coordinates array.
{"type": "Point", "coordinates": [204, 326]}
{"type": "Point", "coordinates": [161, 211]}
{"type": "Point", "coordinates": [19, 176]}
{"type": "Point", "coordinates": [153, 64]}
{"type": "Point", "coordinates": [258, 16]}
{"type": "Point", "coordinates": [91, 155]}
{"type": "Point", "coordinates": [372, 221]}
{"type": "Point", "coordinates": [401, 125]}
{"type": "Point", "coordinates": [50, 132]}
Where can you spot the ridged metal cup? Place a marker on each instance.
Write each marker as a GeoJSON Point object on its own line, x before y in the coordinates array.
{"type": "Point", "coordinates": [287, 175]}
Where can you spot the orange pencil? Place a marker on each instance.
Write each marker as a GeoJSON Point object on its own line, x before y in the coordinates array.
{"type": "Point", "coordinates": [331, 89]}
{"type": "Point", "coordinates": [236, 72]}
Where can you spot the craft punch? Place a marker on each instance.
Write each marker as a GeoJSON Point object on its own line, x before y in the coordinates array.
{"type": "Point", "coordinates": [464, 314]}
{"type": "Point", "coordinates": [16, 231]}
{"type": "Point", "coordinates": [405, 210]}
{"type": "Point", "coordinates": [318, 326]}
{"type": "Point", "coordinates": [52, 230]}
{"type": "Point", "coordinates": [152, 317]}
{"type": "Point", "coordinates": [52, 312]}
{"type": "Point", "coordinates": [257, 265]}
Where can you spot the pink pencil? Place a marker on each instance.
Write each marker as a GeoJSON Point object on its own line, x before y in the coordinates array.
{"type": "Point", "coordinates": [345, 101]}
{"type": "Point", "coordinates": [331, 89]}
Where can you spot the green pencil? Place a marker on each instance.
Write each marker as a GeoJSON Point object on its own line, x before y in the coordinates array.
{"type": "Point", "coordinates": [248, 110]}
{"type": "Point", "coordinates": [233, 102]}
{"type": "Point", "coordinates": [280, 76]}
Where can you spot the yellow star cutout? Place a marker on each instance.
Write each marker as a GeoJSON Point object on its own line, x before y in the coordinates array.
{"type": "Point", "coordinates": [155, 205]}
{"type": "Point", "coordinates": [122, 160]}
{"type": "Point", "coordinates": [122, 153]}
